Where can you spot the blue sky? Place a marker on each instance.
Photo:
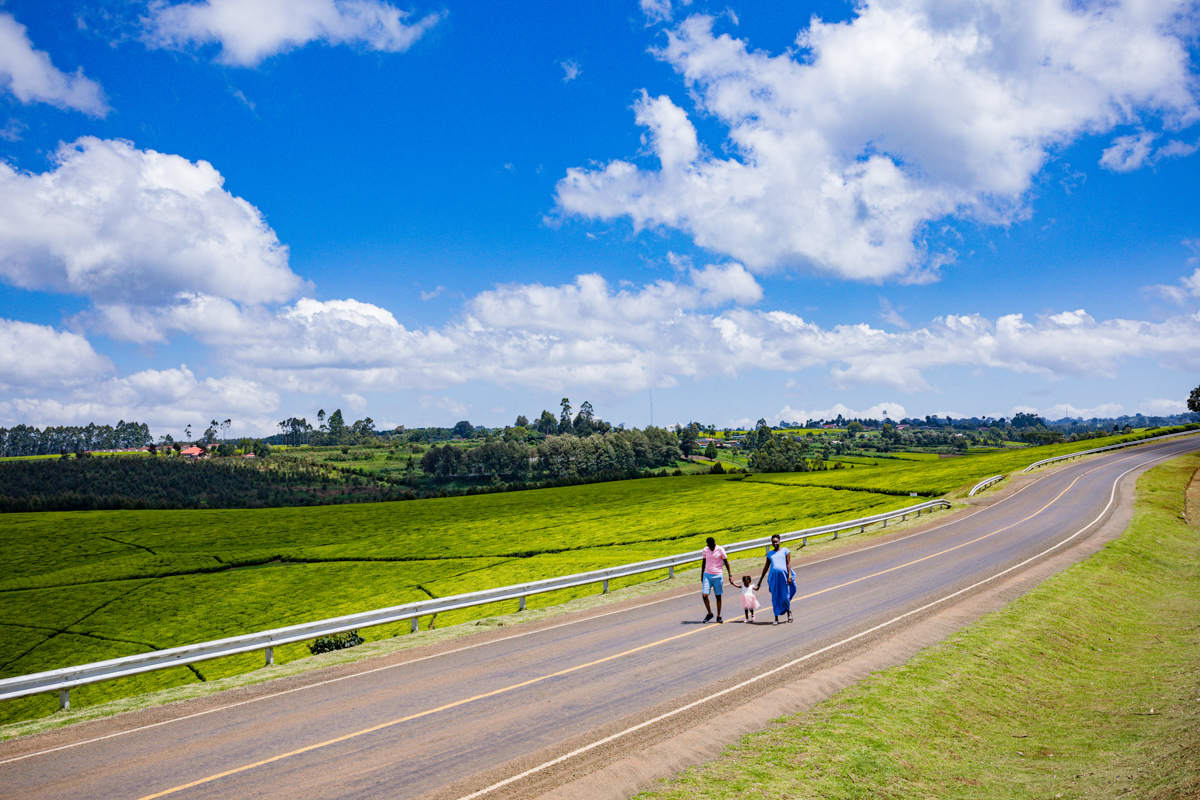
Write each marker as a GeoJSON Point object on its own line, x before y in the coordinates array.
{"type": "Point", "coordinates": [425, 213]}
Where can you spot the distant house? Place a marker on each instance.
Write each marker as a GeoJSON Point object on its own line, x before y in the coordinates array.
{"type": "Point", "coordinates": [251, 455]}
{"type": "Point", "coordinates": [191, 452]}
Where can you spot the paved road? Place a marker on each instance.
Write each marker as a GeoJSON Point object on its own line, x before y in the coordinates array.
{"type": "Point", "coordinates": [464, 720]}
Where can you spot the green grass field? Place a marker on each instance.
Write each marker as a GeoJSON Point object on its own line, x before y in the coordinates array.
{"type": "Point", "coordinates": [91, 585]}
{"type": "Point", "coordinates": [1085, 687]}
{"type": "Point", "coordinates": [84, 586]}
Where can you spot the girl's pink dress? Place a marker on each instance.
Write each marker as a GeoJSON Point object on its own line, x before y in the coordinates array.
{"type": "Point", "coordinates": [749, 601]}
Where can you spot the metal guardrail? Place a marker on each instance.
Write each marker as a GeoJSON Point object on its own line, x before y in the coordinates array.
{"type": "Point", "coordinates": [1147, 440]}
{"type": "Point", "coordinates": [63, 680]}
{"type": "Point", "coordinates": [983, 484]}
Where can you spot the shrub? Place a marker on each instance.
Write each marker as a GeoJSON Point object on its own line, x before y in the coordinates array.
{"type": "Point", "coordinates": [338, 641]}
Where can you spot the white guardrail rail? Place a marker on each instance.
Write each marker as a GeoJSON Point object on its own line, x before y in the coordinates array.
{"type": "Point", "coordinates": [63, 680]}
{"type": "Point", "coordinates": [983, 484]}
{"type": "Point", "coordinates": [1147, 440]}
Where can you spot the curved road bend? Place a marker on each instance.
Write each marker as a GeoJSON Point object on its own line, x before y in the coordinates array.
{"type": "Point", "coordinates": [458, 723]}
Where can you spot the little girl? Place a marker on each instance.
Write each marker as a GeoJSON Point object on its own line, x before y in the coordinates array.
{"type": "Point", "coordinates": [750, 603]}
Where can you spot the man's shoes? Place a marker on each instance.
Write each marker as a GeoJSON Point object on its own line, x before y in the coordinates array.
{"type": "Point", "coordinates": [720, 620]}
{"type": "Point", "coordinates": [709, 617]}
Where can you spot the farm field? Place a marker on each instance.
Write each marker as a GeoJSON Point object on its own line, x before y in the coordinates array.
{"type": "Point", "coordinates": [928, 475]}
{"type": "Point", "coordinates": [84, 586]}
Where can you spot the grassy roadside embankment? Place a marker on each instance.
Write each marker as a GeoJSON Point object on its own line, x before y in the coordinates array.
{"type": "Point", "coordinates": [1086, 687]}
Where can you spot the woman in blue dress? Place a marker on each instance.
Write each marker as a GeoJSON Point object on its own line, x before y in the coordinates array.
{"type": "Point", "coordinates": [781, 580]}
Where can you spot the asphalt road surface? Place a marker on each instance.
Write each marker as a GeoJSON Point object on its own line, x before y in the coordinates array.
{"type": "Point", "coordinates": [530, 708]}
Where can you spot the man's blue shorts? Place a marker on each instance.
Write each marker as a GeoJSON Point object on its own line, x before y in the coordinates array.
{"type": "Point", "coordinates": [714, 582]}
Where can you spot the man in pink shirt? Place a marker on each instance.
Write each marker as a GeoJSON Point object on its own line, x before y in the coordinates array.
{"type": "Point", "coordinates": [710, 575]}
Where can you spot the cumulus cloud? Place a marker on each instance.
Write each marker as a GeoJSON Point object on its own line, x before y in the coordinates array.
{"type": "Point", "coordinates": [571, 70]}
{"type": "Point", "coordinates": [586, 334]}
{"type": "Point", "coordinates": [249, 31]}
{"type": "Point", "coordinates": [840, 153]}
{"type": "Point", "coordinates": [30, 76]}
{"type": "Point", "coordinates": [627, 339]}
{"type": "Point", "coordinates": [128, 227]}
{"type": "Point", "coordinates": [38, 358]}
{"type": "Point", "coordinates": [169, 398]}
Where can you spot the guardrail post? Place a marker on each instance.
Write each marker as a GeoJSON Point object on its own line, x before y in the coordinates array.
{"type": "Point", "coordinates": [885, 522]}
{"type": "Point", "coordinates": [415, 626]}
{"type": "Point", "coordinates": [918, 513]}
{"type": "Point", "coordinates": [835, 534]}
{"type": "Point", "coordinates": [605, 590]}
{"type": "Point", "coordinates": [904, 517]}
{"type": "Point", "coordinates": [522, 608]}
{"type": "Point", "coordinates": [270, 653]}
{"type": "Point", "coordinates": [64, 699]}
{"type": "Point", "coordinates": [671, 571]}
{"type": "Point", "coordinates": [804, 542]}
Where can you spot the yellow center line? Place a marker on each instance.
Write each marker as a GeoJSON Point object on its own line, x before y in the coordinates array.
{"type": "Point", "coordinates": [957, 546]}
{"type": "Point", "coordinates": [419, 714]}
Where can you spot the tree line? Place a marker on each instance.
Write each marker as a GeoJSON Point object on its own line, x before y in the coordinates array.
{"type": "Point", "coordinates": [617, 451]}
{"type": "Point", "coordinates": [159, 483]}
{"type": "Point", "coordinates": [26, 440]}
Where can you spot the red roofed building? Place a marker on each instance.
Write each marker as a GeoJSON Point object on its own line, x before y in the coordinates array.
{"type": "Point", "coordinates": [191, 452]}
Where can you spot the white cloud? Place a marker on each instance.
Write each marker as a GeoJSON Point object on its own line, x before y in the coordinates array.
{"type": "Point", "coordinates": [1162, 407]}
{"type": "Point", "coordinates": [30, 76]}
{"type": "Point", "coordinates": [357, 402]}
{"type": "Point", "coordinates": [914, 110]}
{"type": "Point", "coordinates": [571, 70]}
{"type": "Point", "coordinates": [37, 358]}
{"type": "Point", "coordinates": [726, 284]}
{"type": "Point", "coordinates": [1192, 283]}
{"type": "Point", "coordinates": [165, 399]}
{"type": "Point", "coordinates": [1176, 149]}
{"type": "Point", "coordinates": [656, 11]}
{"type": "Point", "coordinates": [449, 405]}
{"type": "Point", "coordinates": [1128, 153]}
{"type": "Point", "coordinates": [628, 339]}
{"type": "Point", "coordinates": [1067, 410]}
{"type": "Point", "coordinates": [890, 315]}
{"type": "Point", "coordinates": [129, 227]}
{"type": "Point", "coordinates": [586, 334]}
{"type": "Point", "coordinates": [249, 31]}
{"type": "Point", "coordinates": [1189, 287]}
{"type": "Point", "coordinates": [1135, 151]}
{"type": "Point", "coordinates": [894, 411]}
